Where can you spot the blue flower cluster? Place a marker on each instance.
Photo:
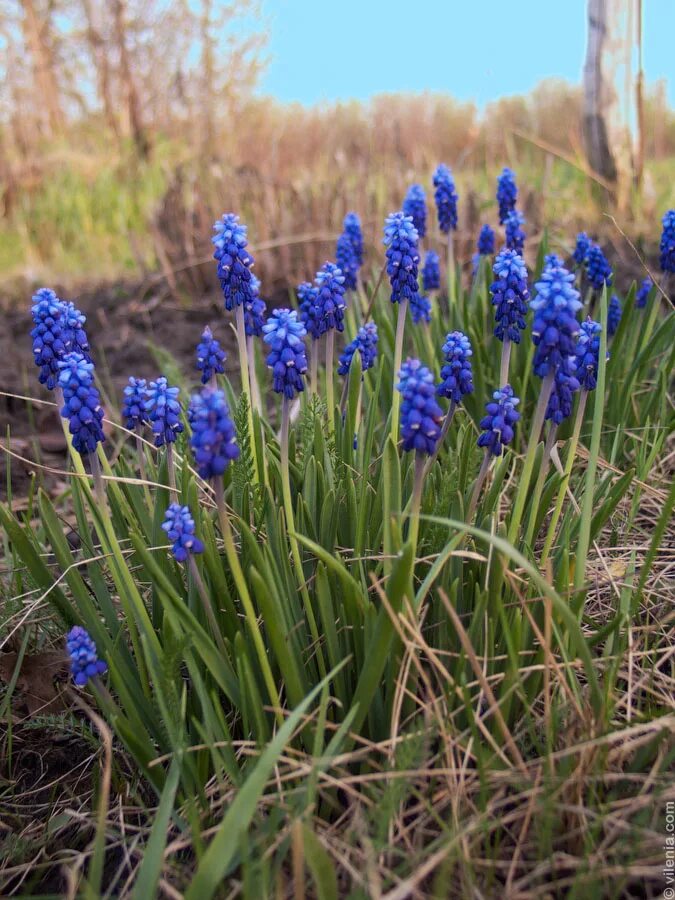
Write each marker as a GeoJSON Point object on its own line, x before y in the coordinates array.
{"type": "Point", "coordinates": [255, 310]}
{"type": "Point", "coordinates": [345, 257]}
{"type": "Point", "coordinates": [352, 227]}
{"type": "Point", "coordinates": [498, 424]}
{"type": "Point", "coordinates": [555, 327]}
{"type": "Point", "coordinates": [598, 269]}
{"type": "Point", "coordinates": [588, 354]}
{"type": "Point", "coordinates": [420, 309]}
{"type": "Point", "coordinates": [446, 198]}
{"type": "Point", "coordinates": [667, 244]}
{"type": "Point", "coordinates": [307, 297]}
{"type": "Point", "coordinates": [514, 234]}
{"type": "Point", "coordinates": [485, 246]}
{"type": "Point", "coordinates": [561, 399]}
{"type": "Point", "coordinates": [330, 298]}
{"type": "Point", "coordinates": [210, 356]}
{"type": "Point", "coordinates": [613, 315]}
{"type": "Point", "coordinates": [163, 411]}
{"type": "Point", "coordinates": [81, 402]}
{"type": "Point", "coordinates": [214, 439]}
{"type": "Point", "coordinates": [287, 358]}
{"type": "Point", "coordinates": [509, 295]}
{"type": "Point", "coordinates": [84, 661]}
{"type": "Point", "coordinates": [400, 238]}
{"type": "Point", "coordinates": [58, 328]}
{"type": "Point", "coordinates": [234, 260]}
{"type": "Point", "coordinates": [456, 372]}
{"type": "Point", "coordinates": [581, 249]}
{"type": "Point", "coordinates": [642, 294]}
{"type": "Point", "coordinates": [553, 261]}
{"type": "Point", "coordinates": [133, 403]}
{"type": "Point", "coordinates": [507, 193]}
{"type": "Point", "coordinates": [180, 529]}
{"type": "Point", "coordinates": [415, 206]}
{"type": "Point", "coordinates": [431, 271]}
{"type": "Point", "coordinates": [365, 343]}
{"type": "Point", "coordinates": [421, 416]}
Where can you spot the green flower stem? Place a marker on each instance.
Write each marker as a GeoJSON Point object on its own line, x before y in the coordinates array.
{"type": "Point", "coordinates": [504, 367]}
{"type": "Point", "coordinates": [451, 271]}
{"type": "Point", "coordinates": [478, 487]}
{"type": "Point", "coordinates": [245, 597]}
{"type": "Point", "coordinates": [140, 453]}
{"type": "Point", "coordinates": [99, 487]}
{"type": "Point", "coordinates": [528, 465]}
{"type": "Point", "coordinates": [373, 296]}
{"type": "Point", "coordinates": [206, 602]}
{"type": "Point", "coordinates": [246, 385]}
{"type": "Point", "coordinates": [541, 478]}
{"type": "Point", "coordinates": [290, 524]}
{"type": "Point", "coordinates": [398, 356]}
{"type": "Point", "coordinates": [255, 387]}
{"type": "Point", "coordinates": [314, 366]}
{"type": "Point", "coordinates": [447, 421]}
{"type": "Point", "coordinates": [416, 501]}
{"type": "Point", "coordinates": [562, 490]}
{"type": "Point", "coordinates": [330, 379]}
{"type": "Point", "coordinates": [171, 468]}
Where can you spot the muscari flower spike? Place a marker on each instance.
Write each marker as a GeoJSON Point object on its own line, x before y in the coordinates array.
{"type": "Point", "coordinates": [234, 260]}
{"type": "Point", "coordinates": [307, 308]}
{"type": "Point", "coordinates": [163, 411]}
{"type": "Point", "coordinates": [210, 356]}
{"type": "Point", "coordinates": [400, 238]}
{"type": "Point", "coordinates": [667, 244]}
{"type": "Point", "coordinates": [81, 402]}
{"type": "Point", "coordinates": [613, 315]}
{"type": "Point", "coordinates": [58, 329]}
{"type": "Point", "coordinates": [133, 403]}
{"type": "Point", "coordinates": [581, 249]}
{"type": "Point", "coordinates": [514, 234]}
{"type": "Point", "coordinates": [561, 400]}
{"type": "Point", "coordinates": [456, 373]}
{"type": "Point", "coordinates": [507, 193]}
{"type": "Point", "coordinates": [509, 295]}
{"type": "Point", "coordinates": [330, 298]}
{"type": "Point", "coordinates": [365, 343]}
{"type": "Point", "coordinates": [431, 271]}
{"type": "Point", "coordinates": [446, 198]}
{"type": "Point", "coordinates": [421, 416]}
{"type": "Point", "coordinates": [498, 424]}
{"type": "Point", "coordinates": [287, 358]}
{"type": "Point", "coordinates": [642, 294]}
{"type": "Point", "coordinates": [180, 529]}
{"type": "Point", "coordinates": [552, 261]}
{"type": "Point", "coordinates": [345, 257]}
{"type": "Point", "coordinates": [415, 206]}
{"type": "Point", "coordinates": [587, 354]}
{"type": "Point", "coordinates": [555, 327]}
{"type": "Point", "coordinates": [352, 227]}
{"type": "Point", "coordinates": [485, 246]}
{"type": "Point", "coordinates": [214, 439]}
{"type": "Point", "coordinates": [255, 310]}
{"type": "Point", "coordinates": [420, 309]}
{"type": "Point", "coordinates": [84, 661]}
{"type": "Point", "coordinates": [598, 269]}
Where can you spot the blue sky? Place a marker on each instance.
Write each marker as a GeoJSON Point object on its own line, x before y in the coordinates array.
{"type": "Point", "coordinates": [326, 50]}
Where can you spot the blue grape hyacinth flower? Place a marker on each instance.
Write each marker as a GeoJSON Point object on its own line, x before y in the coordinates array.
{"type": "Point", "coordinates": [614, 312]}
{"type": "Point", "coordinates": [667, 243]}
{"type": "Point", "coordinates": [133, 403]}
{"type": "Point", "coordinates": [214, 439]}
{"type": "Point", "coordinates": [513, 230]}
{"type": "Point", "coordinates": [234, 260]}
{"type": "Point", "coordinates": [431, 272]}
{"type": "Point", "coordinates": [365, 343]}
{"type": "Point", "coordinates": [163, 410]}
{"type": "Point", "coordinates": [583, 245]}
{"type": "Point", "coordinates": [421, 416]}
{"type": "Point", "coordinates": [255, 310]}
{"type": "Point", "coordinates": [81, 402]}
{"type": "Point", "coordinates": [58, 328]}
{"type": "Point", "coordinates": [561, 399]}
{"type": "Point", "coordinates": [210, 356]}
{"type": "Point", "coordinates": [345, 258]}
{"type": "Point", "coordinates": [598, 270]}
{"type": "Point", "coordinates": [307, 308]}
{"type": "Point", "coordinates": [642, 294]}
{"type": "Point", "coordinates": [420, 309]}
{"type": "Point", "coordinates": [555, 327]}
{"type": "Point", "coordinates": [498, 424]}
{"type": "Point", "coordinates": [552, 261]}
{"type": "Point", "coordinates": [446, 199]}
{"type": "Point", "coordinates": [84, 661]}
{"type": "Point", "coordinates": [415, 206]}
{"type": "Point", "coordinates": [510, 295]}
{"type": "Point", "coordinates": [284, 334]}
{"type": "Point", "coordinates": [352, 227]}
{"type": "Point", "coordinates": [403, 258]}
{"type": "Point", "coordinates": [180, 529]}
{"type": "Point", "coordinates": [330, 298]}
{"type": "Point", "coordinates": [485, 246]}
{"type": "Point", "coordinates": [507, 193]}
{"type": "Point", "coordinates": [456, 372]}
{"type": "Point", "coordinates": [587, 354]}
